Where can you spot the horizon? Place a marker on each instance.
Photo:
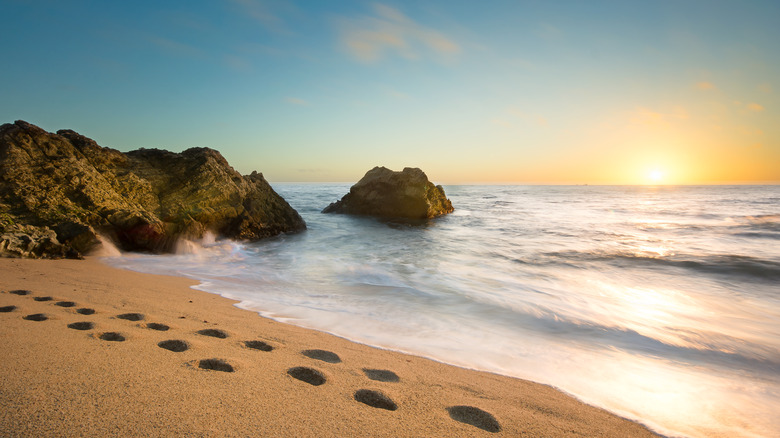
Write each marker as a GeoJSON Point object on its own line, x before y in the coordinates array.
{"type": "Point", "coordinates": [518, 93]}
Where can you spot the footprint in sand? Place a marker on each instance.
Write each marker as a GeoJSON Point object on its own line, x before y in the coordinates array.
{"type": "Point", "coordinates": [216, 365]}
{"type": "Point", "coordinates": [157, 326]}
{"type": "Point", "coordinates": [112, 336]}
{"type": "Point", "coordinates": [214, 333]}
{"type": "Point", "coordinates": [308, 375]}
{"type": "Point", "coordinates": [475, 417]}
{"type": "Point", "coordinates": [258, 345]}
{"type": "Point", "coordinates": [65, 303]}
{"type": "Point", "coordinates": [6, 309]}
{"type": "Point", "coordinates": [43, 298]}
{"type": "Point", "coordinates": [381, 375]}
{"type": "Point", "coordinates": [323, 355]}
{"type": "Point", "coordinates": [175, 345]}
{"type": "Point", "coordinates": [20, 292]}
{"type": "Point", "coordinates": [375, 399]}
{"type": "Point", "coordinates": [36, 317]}
{"type": "Point", "coordinates": [84, 325]}
{"type": "Point", "coordinates": [85, 311]}
{"type": "Point", "coordinates": [131, 316]}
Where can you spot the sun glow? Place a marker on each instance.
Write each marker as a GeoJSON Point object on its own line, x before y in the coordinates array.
{"type": "Point", "coordinates": [656, 176]}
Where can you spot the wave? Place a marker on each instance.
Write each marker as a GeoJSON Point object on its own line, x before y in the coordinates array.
{"type": "Point", "coordinates": [696, 348]}
{"type": "Point", "coordinates": [767, 222]}
{"type": "Point", "coordinates": [745, 267]}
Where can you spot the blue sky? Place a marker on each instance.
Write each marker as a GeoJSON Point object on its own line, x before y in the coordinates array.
{"type": "Point", "coordinates": [498, 91]}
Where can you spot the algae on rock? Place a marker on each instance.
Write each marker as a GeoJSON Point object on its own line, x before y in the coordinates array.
{"type": "Point", "coordinates": [144, 200]}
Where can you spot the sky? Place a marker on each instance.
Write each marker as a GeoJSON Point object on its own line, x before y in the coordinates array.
{"type": "Point", "coordinates": [520, 92]}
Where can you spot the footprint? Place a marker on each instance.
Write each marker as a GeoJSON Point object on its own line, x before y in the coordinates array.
{"type": "Point", "coordinates": [375, 399]}
{"type": "Point", "coordinates": [216, 365]}
{"type": "Point", "coordinates": [85, 325]}
{"type": "Point", "coordinates": [85, 311]}
{"type": "Point", "coordinates": [65, 303]}
{"type": "Point", "coordinates": [381, 375]}
{"type": "Point", "coordinates": [7, 309]}
{"type": "Point", "coordinates": [214, 333]}
{"type": "Point", "coordinates": [258, 345]}
{"type": "Point", "coordinates": [43, 298]}
{"type": "Point", "coordinates": [308, 375]}
{"type": "Point", "coordinates": [323, 355]}
{"type": "Point", "coordinates": [158, 326]}
{"type": "Point", "coordinates": [131, 316]}
{"type": "Point", "coordinates": [36, 317]}
{"type": "Point", "coordinates": [112, 336]}
{"type": "Point", "coordinates": [175, 345]}
{"type": "Point", "coordinates": [19, 292]}
{"type": "Point", "coordinates": [475, 417]}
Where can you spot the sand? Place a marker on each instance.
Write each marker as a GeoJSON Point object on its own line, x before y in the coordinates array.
{"type": "Point", "coordinates": [120, 372]}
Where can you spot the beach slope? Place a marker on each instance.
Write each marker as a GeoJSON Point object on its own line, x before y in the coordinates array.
{"type": "Point", "coordinates": [90, 350]}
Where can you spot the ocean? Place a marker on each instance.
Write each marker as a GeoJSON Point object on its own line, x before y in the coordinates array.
{"type": "Point", "coordinates": [660, 304]}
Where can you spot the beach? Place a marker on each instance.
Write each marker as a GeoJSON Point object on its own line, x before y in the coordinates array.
{"type": "Point", "coordinates": [62, 378]}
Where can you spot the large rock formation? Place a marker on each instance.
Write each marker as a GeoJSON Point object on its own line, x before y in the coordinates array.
{"type": "Point", "coordinates": [59, 191]}
{"type": "Point", "coordinates": [387, 194]}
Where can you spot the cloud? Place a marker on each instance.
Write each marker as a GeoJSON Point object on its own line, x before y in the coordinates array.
{"type": "Point", "coordinates": [400, 95]}
{"type": "Point", "coordinates": [502, 123]}
{"type": "Point", "coordinates": [297, 101]}
{"type": "Point", "coordinates": [174, 47]}
{"type": "Point", "coordinates": [749, 107]}
{"type": "Point", "coordinates": [389, 32]}
{"type": "Point", "coordinates": [237, 63]}
{"type": "Point", "coordinates": [549, 32]}
{"type": "Point", "coordinates": [765, 87]}
{"type": "Point", "coordinates": [705, 85]}
{"type": "Point", "coordinates": [648, 117]}
{"type": "Point", "coordinates": [512, 116]}
{"type": "Point", "coordinates": [262, 12]}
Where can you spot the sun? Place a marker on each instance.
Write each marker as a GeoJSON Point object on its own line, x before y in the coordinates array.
{"type": "Point", "coordinates": [656, 175]}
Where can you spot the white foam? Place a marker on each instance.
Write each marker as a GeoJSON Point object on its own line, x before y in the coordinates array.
{"type": "Point", "coordinates": [106, 248]}
{"type": "Point", "coordinates": [197, 246]}
{"type": "Point", "coordinates": [187, 247]}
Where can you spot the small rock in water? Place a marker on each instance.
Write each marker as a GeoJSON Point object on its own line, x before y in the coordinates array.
{"type": "Point", "coordinates": [404, 195]}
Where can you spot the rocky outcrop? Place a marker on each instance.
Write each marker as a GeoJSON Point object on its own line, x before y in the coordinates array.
{"type": "Point", "coordinates": [403, 195]}
{"type": "Point", "coordinates": [144, 200]}
{"type": "Point", "coordinates": [33, 242]}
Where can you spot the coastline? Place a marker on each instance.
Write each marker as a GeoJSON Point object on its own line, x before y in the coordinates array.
{"type": "Point", "coordinates": [59, 381]}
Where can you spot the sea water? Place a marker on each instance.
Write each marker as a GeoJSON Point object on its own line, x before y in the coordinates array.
{"type": "Point", "coordinates": [661, 304]}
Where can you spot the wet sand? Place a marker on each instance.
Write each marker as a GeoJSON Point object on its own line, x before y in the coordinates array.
{"type": "Point", "coordinates": [90, 350]}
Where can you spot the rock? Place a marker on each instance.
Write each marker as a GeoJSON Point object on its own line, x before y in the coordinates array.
{"type": "Point", "coordinates": [33, 242]}
{"type": "Point", "coordinates": [388, 194]}
{"type": "Point", "coordinates": [143, 200]}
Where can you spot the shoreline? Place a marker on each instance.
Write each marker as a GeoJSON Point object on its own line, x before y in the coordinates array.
{"type": "Point", "coordinates": [61, 381]}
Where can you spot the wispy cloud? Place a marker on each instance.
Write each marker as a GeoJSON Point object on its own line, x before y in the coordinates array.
{"type": "Point", "coordinates": [174, 47]}
{"type": "Point", "coordinates": [648, 117]}
{"type": "Point", "coordinates": [297, 101]}
{"type": "Point", "coordinates": [514, 116]}
{"type": "Point", "coordinates": [237, 63]}
{"type": "Point", "coordinates": [750, 107]}
{"type": "Point", "coordinates": [400, 95]}
{"type": "Point", "coordinates": [549, 32]}
{"type": "Point", "coordinates": [705, 85]}
{"type": "Point", "coordinates": [389, 32]}
{"type": "Point", "coordinates": [266, 13]}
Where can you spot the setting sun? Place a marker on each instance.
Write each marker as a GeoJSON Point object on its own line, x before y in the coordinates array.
{"type": "Point", "coordinates": [656, 175]}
